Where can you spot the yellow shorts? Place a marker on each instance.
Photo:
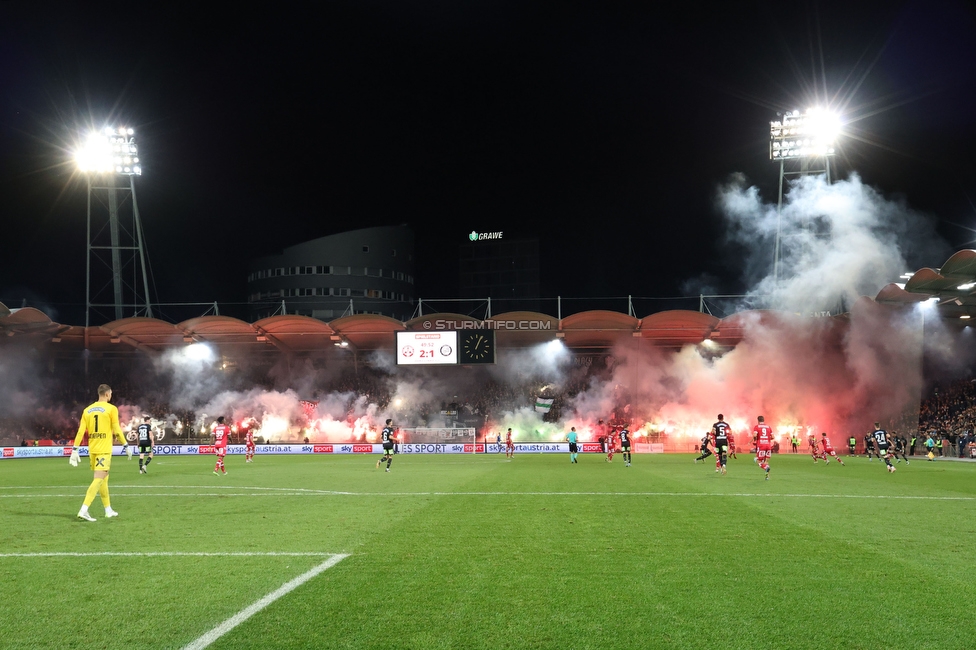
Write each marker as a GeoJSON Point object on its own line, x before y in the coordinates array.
{"type": "Point", "coordinates": [100, 462]}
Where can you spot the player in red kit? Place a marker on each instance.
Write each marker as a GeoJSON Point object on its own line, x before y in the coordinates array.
{"type": "Point", "coordinates": [221, 433]}
{"type": "Point", "coordinates": [611, 444]}
{"type": "Point", "coordinates": [763, 433]}
{"type": "Point", "coordinates": [509, 446]}
{"type": "Point", "coordinates": [815, 450]}
{"type": "Point", "coordinates": [828, 449]}
{"type": "Point", "coordinates": [248, 446]}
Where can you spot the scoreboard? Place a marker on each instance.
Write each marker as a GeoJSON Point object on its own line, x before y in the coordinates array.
{"type": "Point", "coordinates": [427, 348]}
{"type": "Point", "coordinates": [445, 348]}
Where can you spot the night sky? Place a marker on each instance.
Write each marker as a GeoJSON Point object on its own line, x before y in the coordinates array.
{"type": "Point", "coordinates": [600, 130]}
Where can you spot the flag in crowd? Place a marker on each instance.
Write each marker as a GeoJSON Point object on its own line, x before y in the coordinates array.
{"type": "Point", "coordinates": [308, 408]}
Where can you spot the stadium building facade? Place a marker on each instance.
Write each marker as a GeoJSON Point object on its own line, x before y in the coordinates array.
{"type": "Point", "coordinates": [366, 271]}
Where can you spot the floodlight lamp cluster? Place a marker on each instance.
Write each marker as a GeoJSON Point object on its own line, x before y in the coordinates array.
{"type": "Point", "coordinates": [804, 135]}
{"type": "Point", "coordinates": [111, 151]}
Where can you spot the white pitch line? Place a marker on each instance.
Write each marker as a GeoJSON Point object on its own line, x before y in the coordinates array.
{"type": "Point", "coordinates": [326, 493]}
{"type": "Point", "coordinates": [170, 494]}
{"type": "Point", "coordinates": [143, 486]}
{"type": "Point", "coordinates": [169, 554]}
{"type": "Point", "coordinates": [257, 606]}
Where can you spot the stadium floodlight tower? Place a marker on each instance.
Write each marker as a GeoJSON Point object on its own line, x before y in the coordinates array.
{"type": "Point", "coordinates": [806, 141]}
{"type": "Point", "coordinates": [110, 160]}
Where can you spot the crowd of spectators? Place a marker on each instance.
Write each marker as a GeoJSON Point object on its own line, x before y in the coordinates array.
{"type": "Point", "coordinates": [50, 408]}
{"type": "Point", "coordinates": [948, 416]}
{"type": "Point", "coordinates": [54, 399]}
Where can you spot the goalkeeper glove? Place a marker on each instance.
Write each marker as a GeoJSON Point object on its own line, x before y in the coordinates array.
{"type": "Point", "coordinates": [127, 450]}
{"type": "Point", "coordinates": [74, 460]}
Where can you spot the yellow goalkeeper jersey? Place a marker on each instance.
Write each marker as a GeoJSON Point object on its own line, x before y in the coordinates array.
{"type": "Point", "coordinates": [100, 420]}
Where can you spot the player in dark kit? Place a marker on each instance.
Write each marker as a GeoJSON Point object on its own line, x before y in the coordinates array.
{"type": "Point", "coordinates": [882, 438]}
{"type": "Point", "coordinates": [146, 441]}
{"type": "Point", "coordinates": [625, 445]}
{"type": "Point", "coordinates": [852, 445]}
{"type": "Point", "coordinates": [720, 430]}
{"type": "Point", "coordinates": [388, 442]}
{"type": "Point", "coordinates": [869, 444]}
{"type": "Point", "coordinates": [900, 444]}
{"type": "Point", "coordinates": [705, 451]}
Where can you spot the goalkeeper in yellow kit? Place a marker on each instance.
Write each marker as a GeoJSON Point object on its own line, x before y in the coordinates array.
{"type": "Point", "coordinates": [101, 422]}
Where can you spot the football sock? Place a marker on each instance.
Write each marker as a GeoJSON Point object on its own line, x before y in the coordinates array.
{"type": "Point", "coordinates": [389, 461]}
{"type": "Point", "coordinates": [103, 492]}
{"type": "Point", "coordinates": [141, 463]}
{"type": "Point", "coordinates": [93, 489]}
{"type": "Point", "coordinates": [148, 460]}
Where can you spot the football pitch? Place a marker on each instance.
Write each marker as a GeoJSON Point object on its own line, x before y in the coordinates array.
{"type": "Point", "coordinates": [479, 552]}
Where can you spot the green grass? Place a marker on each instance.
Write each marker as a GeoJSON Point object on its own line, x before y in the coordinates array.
{"type": "Point", "coordinates": [477, 552]}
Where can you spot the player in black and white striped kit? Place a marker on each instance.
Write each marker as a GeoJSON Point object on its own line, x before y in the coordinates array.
{"type": "Point", "coordinates": [388, 437]}
{"type": "Point", "coordinates": [146, 441]}
{"type": "Point", "coordinates": [720, 432]}
{"type": "Point", "coordinates": [625, 445]}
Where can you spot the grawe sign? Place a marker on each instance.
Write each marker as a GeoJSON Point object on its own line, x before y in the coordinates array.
{"type": "Point", "coordinates": [482, 236]}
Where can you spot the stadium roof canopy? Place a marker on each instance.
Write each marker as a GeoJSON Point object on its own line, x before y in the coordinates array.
{"type": "Point", "coordinates": [301, 335]}
{"type": "Point", "coordinates": [951, 288]}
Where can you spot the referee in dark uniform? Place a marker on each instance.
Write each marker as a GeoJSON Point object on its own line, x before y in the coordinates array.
{"type": "Point", "coordinates": [146, 442]}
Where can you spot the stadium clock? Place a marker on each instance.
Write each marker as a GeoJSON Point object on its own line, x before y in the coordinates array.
{"type": "Point", "coordinates": [476, 346]}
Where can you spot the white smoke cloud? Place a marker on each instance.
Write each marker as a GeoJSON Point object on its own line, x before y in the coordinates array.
{"type": "Point", "coordinates": [837, 242]}
{"type": "Point", "coordinates": [192, 373]}
{"type": "Point", "coordinates": [546, 361]}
